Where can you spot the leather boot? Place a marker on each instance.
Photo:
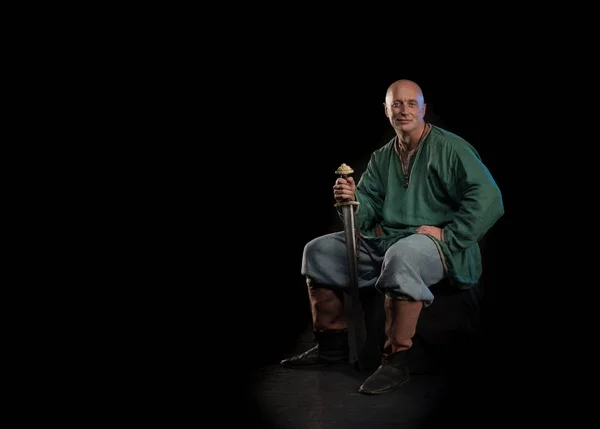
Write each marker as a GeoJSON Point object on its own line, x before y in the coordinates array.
{"type": "Point", "coordinates": [401, 317]}
{"type": "Point", "coordinates": [330, 331]}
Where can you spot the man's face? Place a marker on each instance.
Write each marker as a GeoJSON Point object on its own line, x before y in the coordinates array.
{"type": "Point", "coordinates": [405, 108]}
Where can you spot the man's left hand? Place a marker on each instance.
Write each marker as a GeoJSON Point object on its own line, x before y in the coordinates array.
{"type": "Point", "coordinates": [434, 231]}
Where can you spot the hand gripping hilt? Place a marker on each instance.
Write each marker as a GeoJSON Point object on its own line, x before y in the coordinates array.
{"type": "Point", "coordinates": [344, 171]}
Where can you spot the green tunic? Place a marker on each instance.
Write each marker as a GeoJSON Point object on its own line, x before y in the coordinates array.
{"type": "Point", "coordinates": [449, 187]}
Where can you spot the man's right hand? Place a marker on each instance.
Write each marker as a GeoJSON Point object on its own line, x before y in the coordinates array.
{"type": "Point", "coordinates": [344, 189]}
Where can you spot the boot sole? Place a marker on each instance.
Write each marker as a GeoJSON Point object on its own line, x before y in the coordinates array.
{"type": "Point", "coordinates": [379, 392]}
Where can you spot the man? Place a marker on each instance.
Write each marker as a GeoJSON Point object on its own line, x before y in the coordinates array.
{"type": "Point", "coordinates": [425, 201]}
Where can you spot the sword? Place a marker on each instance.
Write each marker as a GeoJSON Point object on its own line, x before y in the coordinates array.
{"type": "Point", "coordinates": [356, 329]}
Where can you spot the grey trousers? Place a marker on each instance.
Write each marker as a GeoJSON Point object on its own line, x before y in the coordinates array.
{"type": "Point", "coordinates": [407, 269]}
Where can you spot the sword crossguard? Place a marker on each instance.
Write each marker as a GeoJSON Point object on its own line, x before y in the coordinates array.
{"type": "Point", "coordinates": [344, 171]}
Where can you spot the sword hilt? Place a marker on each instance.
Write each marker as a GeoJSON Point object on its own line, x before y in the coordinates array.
{"type": "Point", "coordinates": [344, 171]}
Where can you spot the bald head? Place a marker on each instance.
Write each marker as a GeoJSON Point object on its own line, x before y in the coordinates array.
{"type": "Point", "coordinates": [404, 86]}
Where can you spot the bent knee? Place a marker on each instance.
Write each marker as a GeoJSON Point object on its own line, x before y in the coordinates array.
{"type": "Point", "coordinates": [414, 250]}
{"type": "Point", "coordinates": [323, 245]}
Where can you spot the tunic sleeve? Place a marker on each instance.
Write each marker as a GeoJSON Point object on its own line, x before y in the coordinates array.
{"type": "Point", "coordinates": [478, 198]}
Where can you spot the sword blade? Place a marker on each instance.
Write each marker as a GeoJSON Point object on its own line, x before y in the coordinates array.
{"type": "Point", "coordinates": [357, 331]}
{"type": "Point", "coordinates": [348, 215]}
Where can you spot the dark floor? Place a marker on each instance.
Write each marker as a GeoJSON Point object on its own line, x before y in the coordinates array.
{"type": "Point", "coordinates": [329, 398]}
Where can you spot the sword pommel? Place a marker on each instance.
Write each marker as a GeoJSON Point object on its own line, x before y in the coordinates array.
{"type": "Point", "coordinates": [344, 170]}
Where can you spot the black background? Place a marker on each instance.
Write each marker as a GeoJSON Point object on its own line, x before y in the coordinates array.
{"type": "Point", "coordinates": [247, 158]}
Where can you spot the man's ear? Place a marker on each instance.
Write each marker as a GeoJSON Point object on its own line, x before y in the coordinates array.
{"type": "Point", "coordinates": [385, 110]}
